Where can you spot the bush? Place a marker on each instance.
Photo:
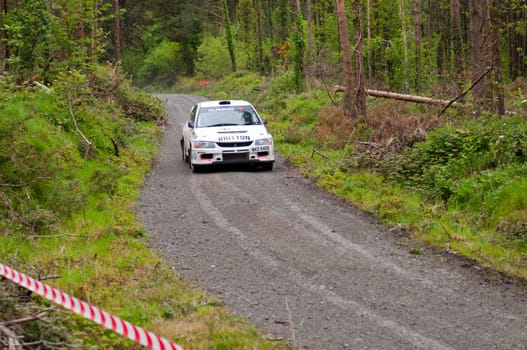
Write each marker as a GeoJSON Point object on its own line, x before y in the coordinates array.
{"type": "Point", "coordinates": [162, 66]}
{"type": "Point", "coordinates": [451, 155]}
{"type": "Point", "coordinates": [213, 60]}
{"type": "Point", "coordinates": [37, 165]}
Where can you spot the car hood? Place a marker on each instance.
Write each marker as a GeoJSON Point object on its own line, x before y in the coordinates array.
{"type": "Point", "coordinates": [231, 133]}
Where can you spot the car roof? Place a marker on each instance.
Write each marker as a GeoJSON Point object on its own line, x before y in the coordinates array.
{"type": "Point", "coordinates": [223, 103]}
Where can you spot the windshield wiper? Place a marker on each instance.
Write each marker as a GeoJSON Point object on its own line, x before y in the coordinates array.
{"type": "Point", "coordinates": [222, 124]}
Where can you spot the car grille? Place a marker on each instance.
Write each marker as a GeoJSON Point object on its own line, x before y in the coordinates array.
{"type": "Point", "coordinates": [235, 156]}
{"type": "Point", "coordinates": [234, 144]}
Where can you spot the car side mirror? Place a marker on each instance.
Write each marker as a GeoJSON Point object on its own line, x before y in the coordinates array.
{"type": "Point", "coordinates": [264, 121]}
{"type": "Point", "coordinates": [190, 124]}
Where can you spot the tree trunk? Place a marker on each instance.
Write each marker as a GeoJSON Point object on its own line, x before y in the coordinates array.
{"type": "Point", "coordinates": [95, 34]}
{"type": "Point", "coordinates": [259, 36]}
{"type": "Point", "coordinates": [400, 97]}
{"type": "Point", "coordinates": [348, 69]}
{"type": "Point", "coordinates": [498, 95]}
{"type": "Point", "coordinates": [309, 30]}
{"type": "Point", "coordinates": [479, 30]}
{"type": "Point", "coordinates": [79, 33]}
{"type": "Point", "coordinates": [418, 44]}
{"type": "Point", "coordinates": [360, 75]}
{"type": "Point", "coordinates": [228, 34]}
{"type": "Point", "coordinates": [116, 31]}
{"type": "Point", "coordinates": [368, 25]}
{"type": "Point", "coordinates": [457, 42]}
{"type": "Point", "coordinates": [516, 38]}
{"type": "Point", "coordinates": [3, 38]}
{"type": "Point", "coordinates": [402, 13]}
{"type": "Point", "coordinates": [488, 95]}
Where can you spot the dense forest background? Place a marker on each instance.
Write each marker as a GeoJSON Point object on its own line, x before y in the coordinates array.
{"type": "Point", "coordinates": [420, 46]}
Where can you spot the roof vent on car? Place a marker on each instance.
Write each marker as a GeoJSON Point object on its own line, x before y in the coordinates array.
{"type": "Point", "coordinates": [225, 102]}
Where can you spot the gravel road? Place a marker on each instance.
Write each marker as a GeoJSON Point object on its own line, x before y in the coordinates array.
{"type": "Point", "coordinates": [303, 265]}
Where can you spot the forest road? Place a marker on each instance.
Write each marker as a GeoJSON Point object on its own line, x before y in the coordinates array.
{"type": "Point", "coordinates": [304, 265]}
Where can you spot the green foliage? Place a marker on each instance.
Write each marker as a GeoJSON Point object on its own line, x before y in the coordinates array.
{"type": "Point", "coordinates": [162, 65]}
{"type": "Point", "coordinates": [43, 143]}
{"type": "Point", "coordinates": [28, 32]}
{"type": "Point", "coordinates": [43, 42]}
{"type": "Point", "coordinates": [37, 165]}
{"type": "Point", "coordinates": [212, 55]}
{"type": "Point", "coordinates": [247, 33]}
{"type": "Point", "coordinates": [281, 21]}
{"type": "Point", "coordinates": [300, 47]}
{"type": "Point", "coordinates": [325, 32]}
{"type": "Point", "coordinates": [454, 153]}
{"type": "Point", "coordinates": [228, 34]}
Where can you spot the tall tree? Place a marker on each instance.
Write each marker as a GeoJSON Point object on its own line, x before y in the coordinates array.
{"type": "Point", "coordinates": [498, 94]}
{"type": "Point", "coordinates": [457, 42]}
{"type": "Point", "coordinates": [349, 105]}
{"type": "Point", "coordinates": [247, 28]}
{"type": "Point", "coordinates": [487, 94]}
{"type": "Point", "coordinates": [116, 31]}
{"type": "Point", "coordinates": [418, 37]}
{"type": "Point", "coordinates": [228, 34]}
{"type": "Point", "coordinates": [281, 25]}
{"type": "Point", "coordinates": [298, 38]}
{"type": "Point", "coordinates": [360, 75]}
{"type": "Point", "coordinates": [309, 18]}
{"type": "Point", "coordinates": [404, 36]}
{"type": "Point", "coordinates": [259, 36]}
{"type": "Point", "coordinates": [4, 48]}
{"type": "Point", "coordinates": [368, 31]}
{"type": "Point", "coordinates": [515, 15]}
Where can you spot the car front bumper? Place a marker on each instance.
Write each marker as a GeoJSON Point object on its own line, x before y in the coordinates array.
{"type": "Point", "coordinates": [214, 156]}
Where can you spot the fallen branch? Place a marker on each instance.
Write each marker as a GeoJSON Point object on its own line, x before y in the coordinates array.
{"type": "Point", "coordinates": [13, 214]}
{"type": "Point", "coordinates": [26, 319]}
{"type": "Point", "coordinates": [370, 144]}
{"type": "Point", "coordinates": [12, 339]}
{"type": "Point", "coordinates": [464, 92]}
{"type": "Point", "coordinates": [317, 152]}
{"type": "Point", "coordinates": [57, 235]}
{"type": "Point", "coordinates": [88, 142]}
{"type": "Point", "coordinates": [47, 344]}
{"type": "Point", "coordinates": [42, 86]}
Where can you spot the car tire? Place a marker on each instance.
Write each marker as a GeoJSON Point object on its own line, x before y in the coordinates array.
{"type": "Point", "coordinates": [181, 143]}
{"type": "Point", "coordinates": [189, 158]}
{"type": "Point", "coordinates": [267, 166]}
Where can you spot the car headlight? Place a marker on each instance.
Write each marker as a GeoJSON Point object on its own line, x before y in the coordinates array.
{"type": "Point", "coordinates": [264, 142]}
{"type": "Point", "coordinates": [203, 144]}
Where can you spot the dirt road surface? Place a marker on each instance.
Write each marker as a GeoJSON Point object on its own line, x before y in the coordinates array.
{"type": "Point", "coordinates": [310, 268]}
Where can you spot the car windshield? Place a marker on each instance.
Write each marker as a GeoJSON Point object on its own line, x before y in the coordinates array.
{"type": "Point", "coordinates": [227, 116]}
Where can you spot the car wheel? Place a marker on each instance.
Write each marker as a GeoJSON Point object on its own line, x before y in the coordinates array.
{"type": "Point", "coordinates": [182, 150]}
{"type": "Point", "coordinates": [189, 158]}
{"type": "Point", "coordinates": [267, 166]}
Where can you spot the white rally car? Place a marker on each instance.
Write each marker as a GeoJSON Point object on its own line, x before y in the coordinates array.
{"type": "Point", "coordinates": [226, 132]}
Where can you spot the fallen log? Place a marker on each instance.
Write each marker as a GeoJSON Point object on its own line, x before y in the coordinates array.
{"type": "Point", "coordinates": [410, 98]}
{"type": "Point", "coordinates": [401, 97]}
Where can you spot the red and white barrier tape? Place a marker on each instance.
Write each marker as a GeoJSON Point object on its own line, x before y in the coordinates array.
{"type": "Point", "coordinates": [92, 313]}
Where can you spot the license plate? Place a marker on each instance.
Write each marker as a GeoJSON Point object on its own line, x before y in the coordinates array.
{"type": "Point", "coordinates": [260, 149]}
